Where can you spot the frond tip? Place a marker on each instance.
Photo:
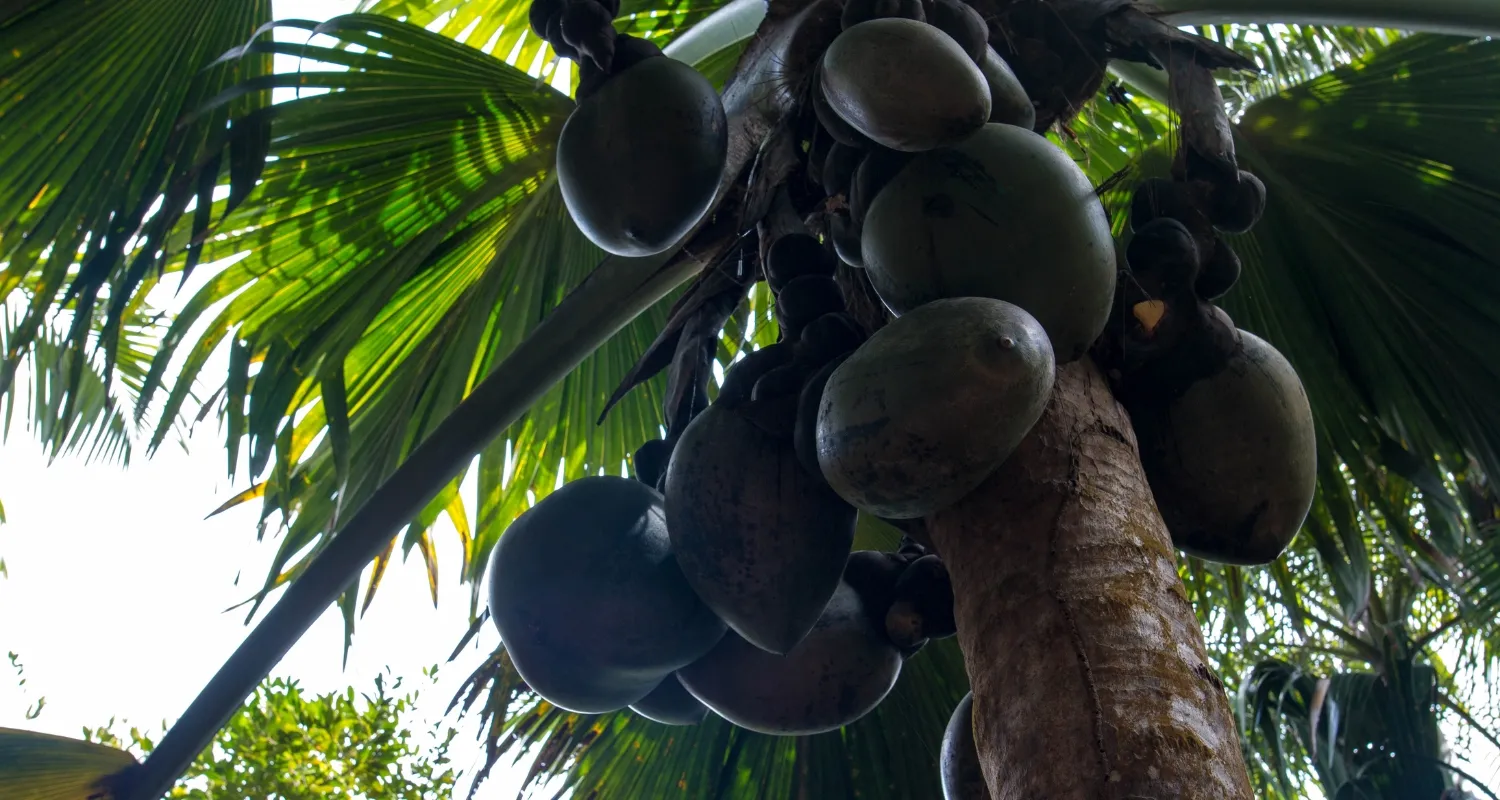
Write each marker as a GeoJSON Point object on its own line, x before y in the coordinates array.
{"type": "Point", "coordinates": [40, 766]}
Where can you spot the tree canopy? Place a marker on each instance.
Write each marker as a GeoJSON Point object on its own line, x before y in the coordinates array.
{"type": "Point", "coordinates": [283, 743]}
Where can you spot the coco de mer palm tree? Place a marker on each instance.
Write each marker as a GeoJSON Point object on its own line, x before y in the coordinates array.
{"type": "Point", "coordinates": [814, 154]}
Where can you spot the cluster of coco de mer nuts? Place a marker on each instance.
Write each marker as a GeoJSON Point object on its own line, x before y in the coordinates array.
{"type": "Point", "coordinates": [722, 578]}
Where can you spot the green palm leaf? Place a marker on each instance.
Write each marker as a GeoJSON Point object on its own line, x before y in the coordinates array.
{"type": "Point", "coordinates": [407, 236]}
{"type": "Point", "coordinates": [390, 258]}
{"type": "Point", "coordinates": [87, 409]}
{"type": "Point", "coordinates": [107, 159]}
{"type": "Point", "coordinates": [1291, 55]}
{"type": "Point", "coordinates": [37, 766]}
{"type": "Point", "coordinates": [502, 28]}
{"type": "Point", "coordinates": [1374, 272]}
{"type": "Point", "coordinates": [1374, 269]}
{"type": "Point", "coordinates": [553, 355]}
{"type": "Point", "coordinates": [1365, 734]}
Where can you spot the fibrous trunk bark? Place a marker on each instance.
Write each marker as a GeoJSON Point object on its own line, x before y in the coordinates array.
{"type": "Point", "coordinates": [1088, 669]}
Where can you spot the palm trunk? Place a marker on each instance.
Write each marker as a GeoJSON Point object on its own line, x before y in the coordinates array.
{"type": "Point", "coordinates": [1088, 669]}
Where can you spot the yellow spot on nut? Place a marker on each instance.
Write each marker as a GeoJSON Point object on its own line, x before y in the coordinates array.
{"type": "Point", "coordinates": [1149, 313]}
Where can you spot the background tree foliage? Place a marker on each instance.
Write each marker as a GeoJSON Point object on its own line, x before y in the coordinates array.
{"type": "Point", "coordinates": [377, 250]}
{"type": "Point", "coordinates": [284, 744]}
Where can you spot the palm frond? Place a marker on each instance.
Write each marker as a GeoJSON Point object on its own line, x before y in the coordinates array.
{"type": "Point", "coordinates": [38, 766]}
{"type": "Point", "coordinates": [1375, 272]}
{"type": "Point", "coordinates": [1291, 55]}
{"type": "Point", "coordinates": [502, 27]}
{"type": "Point", "coordinates": [1380, 274]}
{"type": "Point", "coordinates": [1381, 291]}
{"type": "Point", "coordinates": [1114, 130]}
{"type": "Point", "coordinates": [406, 237]}
{"type": "Point", "coordinates": [106, 155]}
{"type": "Point", "coordinates": [1362, 734]}
{"type": "Point", "coordinates": [402, 213]}
{"type": "Point", "coordinates": [84, 410]}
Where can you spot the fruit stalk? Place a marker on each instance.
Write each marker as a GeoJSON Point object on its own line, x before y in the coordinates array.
{"type": "Point", "coordinates": [1088, 669]}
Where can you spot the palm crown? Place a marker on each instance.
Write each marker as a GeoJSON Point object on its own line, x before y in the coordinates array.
{"type": "Point", "coordinates": [385, 250]}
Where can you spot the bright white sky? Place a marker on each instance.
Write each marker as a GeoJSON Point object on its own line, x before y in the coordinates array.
{"type": "Point", "coordinates": [118, 587]}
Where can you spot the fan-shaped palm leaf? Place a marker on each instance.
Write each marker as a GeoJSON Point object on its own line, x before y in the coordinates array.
{"type": "Point", "coordinates": [1369, 736]}
{"type": "Point", "coordinates": [36, 766]}
{"type": "Point", "coordinates": [83, 410]}
{"type": "Point", "coordinates": [452, 231]}
{"type": "Point", "coordinates": [1375, 267]}
{"type": "Point", "coordinates": [407, 236]}
{"type": "Point", "coordinates": [1468, 18]}
{"type": "Point", "coordinates": [501, 27]}
{"type": "Point", "coordinates": [1373, 271]}
{"type": "Point", "coordinates": [101, 158]}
